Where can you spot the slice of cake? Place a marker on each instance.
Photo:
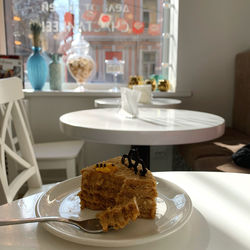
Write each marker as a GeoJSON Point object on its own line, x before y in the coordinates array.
{"type": "Point", "coordinates": [117, 181]}
{"type": "Point", "coordinates": [119, 216]}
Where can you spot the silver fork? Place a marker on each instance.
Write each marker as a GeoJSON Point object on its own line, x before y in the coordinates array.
{"type": "Point", "coordinates": [89, 226]}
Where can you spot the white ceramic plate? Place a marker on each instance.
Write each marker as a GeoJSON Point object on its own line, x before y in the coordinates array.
{"type": "Point", "coordinates": [174, 208]}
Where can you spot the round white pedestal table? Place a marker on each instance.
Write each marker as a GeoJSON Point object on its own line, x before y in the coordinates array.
{"type": "Point", "coordinates": [220, 218]}
{"type": "Point", "coordinates": [156, 103]}
{"type": "Point", "coordinates": [151, 127]}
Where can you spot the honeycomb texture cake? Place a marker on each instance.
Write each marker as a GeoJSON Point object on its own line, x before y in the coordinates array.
{"type": "Point", "coordinates": [114, 182]}
{"type": "Point", "coordinates": [119, 216]}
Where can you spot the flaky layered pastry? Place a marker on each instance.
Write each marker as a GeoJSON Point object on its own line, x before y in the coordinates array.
{"type": "Point", "coordinates": [118, 188]}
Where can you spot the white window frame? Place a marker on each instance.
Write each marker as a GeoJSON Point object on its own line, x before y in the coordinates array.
{"type": "Point", "coordinates": [2, 28]}
{"type": "Point", "coordinates": [170, 41]}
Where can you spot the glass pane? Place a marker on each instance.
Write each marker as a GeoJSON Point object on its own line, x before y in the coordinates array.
{"type": "Point", "coordinates": [146, 19]}
{"type": "Point", "coordinates": [150, 6]}
{"type": "Point", "coordinates": [145, 70]}
{"type": "Point", "coordinates": [111, 6]}
{"type": "Point", "coordinates": [134, 29]}
{"type": "Point", "coordinates": [149, 56]}
{"type": "Point", "coordinates": [151, 69]}
{"type": "Point", "coordinates": [145, 57]}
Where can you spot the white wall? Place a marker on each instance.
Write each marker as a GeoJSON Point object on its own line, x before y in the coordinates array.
{"type": "Point", "coordinates": [211, 33]}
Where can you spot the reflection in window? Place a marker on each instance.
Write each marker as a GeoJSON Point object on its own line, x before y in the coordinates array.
{"type": "Point", "coordinates": [146, 18]}
{"type": "Point", "coordinates": [115, 56]}
{"type": "Point", "coordinates": [149, 59]}
{"type": "Point", "coordinates": [114, 7]}
{"type": "Point", "coordinates": [150, 11]}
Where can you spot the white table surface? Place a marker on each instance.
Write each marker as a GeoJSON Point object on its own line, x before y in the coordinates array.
{"type": "Point", "coordinates": [156, 103]}
{"type": "Point", "coordinates": [220, 219]}
{"type": "Point", "coordinates": [151, 127]}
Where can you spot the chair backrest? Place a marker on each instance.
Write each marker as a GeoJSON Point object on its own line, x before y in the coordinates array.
{"type": "Point", "coordinates": [10, 95]}
{"type": "Point", "coordinates": [23, 107]}
{"type": "Point", "coordinates": [241, 110]}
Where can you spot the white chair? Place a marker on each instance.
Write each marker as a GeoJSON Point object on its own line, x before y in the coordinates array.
{"type": "Point", "coordinates": [24, 156]}
{"type": "Point", "coordinates": [56, 155]}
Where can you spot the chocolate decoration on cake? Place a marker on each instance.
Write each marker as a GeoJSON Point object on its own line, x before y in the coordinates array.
{"type": "Point", "coordinates": [134, 155]}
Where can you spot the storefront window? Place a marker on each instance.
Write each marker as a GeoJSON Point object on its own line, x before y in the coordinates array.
{"type": "Point", "coordinates": [138, 33]}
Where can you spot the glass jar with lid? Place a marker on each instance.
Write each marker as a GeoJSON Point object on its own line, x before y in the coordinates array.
{"type": "Point", "coordinates": [80, 64]}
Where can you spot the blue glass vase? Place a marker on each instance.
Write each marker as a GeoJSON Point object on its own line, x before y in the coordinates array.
{"type": "Point", "coordinates": [37, 69]}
